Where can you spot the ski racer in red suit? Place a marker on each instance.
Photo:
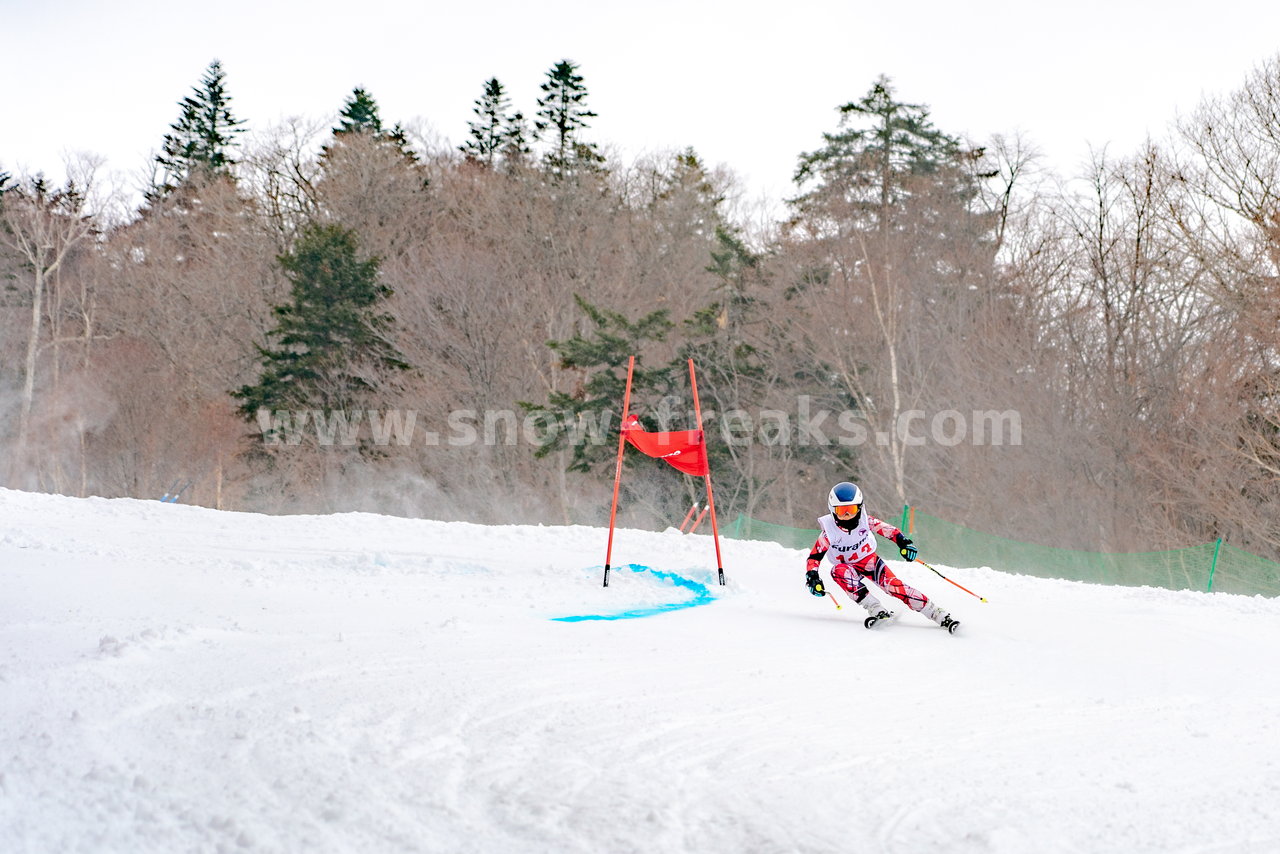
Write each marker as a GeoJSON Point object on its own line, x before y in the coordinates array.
{"type": "Point", "coordinates": [847, 539]}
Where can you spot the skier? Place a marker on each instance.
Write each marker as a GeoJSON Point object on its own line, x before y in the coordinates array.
{"type": "Point", "coordinates": [847, 539]}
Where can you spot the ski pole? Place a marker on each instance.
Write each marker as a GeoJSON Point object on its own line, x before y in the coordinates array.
{"type": "Point", "coordinates": [835, 600]}
{"type": "Point", "coordinates": [944, 578]}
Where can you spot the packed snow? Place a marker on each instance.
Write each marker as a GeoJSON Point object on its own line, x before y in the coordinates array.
{"type": "Point", "coordinates": [175, 678]}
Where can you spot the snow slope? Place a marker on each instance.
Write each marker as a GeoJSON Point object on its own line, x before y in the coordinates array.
{"type": "Point", "coordinates": [178, 679]}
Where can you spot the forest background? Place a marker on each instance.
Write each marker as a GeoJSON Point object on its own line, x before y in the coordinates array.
{"type": "Point", "coordinates": [314, 317]}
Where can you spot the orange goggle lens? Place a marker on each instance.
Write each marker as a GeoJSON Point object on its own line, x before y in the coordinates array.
{"type": "Point", "coordinates": [847, 508]}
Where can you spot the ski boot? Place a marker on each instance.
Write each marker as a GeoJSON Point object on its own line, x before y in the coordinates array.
{"type": "Point", "coordinates": [880, 616]}
{"type": "Point", "coordinates": [941, 617]}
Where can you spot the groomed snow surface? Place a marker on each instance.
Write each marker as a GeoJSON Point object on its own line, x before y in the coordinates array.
{"type": "Point", "coordinates": [177, 679]}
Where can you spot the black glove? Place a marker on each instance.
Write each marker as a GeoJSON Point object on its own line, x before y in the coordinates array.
{"type": "Point", "coordinates": [814, 581]}
{"type": "Point", "coordinates": [905, 546]}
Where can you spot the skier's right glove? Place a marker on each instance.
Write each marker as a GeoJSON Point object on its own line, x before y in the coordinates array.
{"type": "Point", "coordinates": [814, 581]}
{"type": "Point", "coordinates": [905, 546]}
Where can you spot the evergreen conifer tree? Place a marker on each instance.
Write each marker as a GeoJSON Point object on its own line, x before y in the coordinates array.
{"type": "Point", "coordinates": [562, 111]}
{"type": "Point", "coordinates": [497, 132]}
{"type": "Point", "coordinates": [359, 115]}
{"type": "Point", "coordinates": [601, 359]}
{"type": "Point", "coordinates": [889, 175]}
{"type": "Point", "coordinates": [331, 341]}
{"type": "Point", "coordinates": [689, 196]}
{"type": "Point", "coordinates": [885, 154]}
{"type": "Point", "coordinates": [203, 136]}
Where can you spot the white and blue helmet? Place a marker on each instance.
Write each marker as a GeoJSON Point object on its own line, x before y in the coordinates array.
{"type": "Point", "coordinates": [844, 494]}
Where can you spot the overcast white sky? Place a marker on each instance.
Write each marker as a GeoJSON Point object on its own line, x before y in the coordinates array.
{"type": "Point", "coordinates": [749, 85]}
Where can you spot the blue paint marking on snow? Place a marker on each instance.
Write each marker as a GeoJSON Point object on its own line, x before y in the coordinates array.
{"type": "Point", "coordinates": [701, 596]}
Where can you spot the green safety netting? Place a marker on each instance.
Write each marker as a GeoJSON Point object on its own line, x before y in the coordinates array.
{"type": "Point", "coordinates": [746, 528]}
{"type": "Point", "coordinates": [1213, 566]}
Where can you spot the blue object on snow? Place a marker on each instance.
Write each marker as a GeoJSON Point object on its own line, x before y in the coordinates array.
{"type": "Point", "coordinates": [701, 596]}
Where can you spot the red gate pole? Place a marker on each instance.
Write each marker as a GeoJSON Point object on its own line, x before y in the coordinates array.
{"type": "Point", "coordinates": [688, 516]}
{"type": "Point", "coordinates": [617, 475]}
{"type": "Point", "coordinates": [711, 501]}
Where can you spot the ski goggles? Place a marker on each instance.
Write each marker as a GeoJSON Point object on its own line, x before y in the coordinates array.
{"type": "Point", "coordinates": [847, 508]}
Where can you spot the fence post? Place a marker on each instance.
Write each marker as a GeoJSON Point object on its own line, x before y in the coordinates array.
{"type": "Point", "coordinates": [903, 526]}
{"type": "Point", "coordinates": [1214, 566]}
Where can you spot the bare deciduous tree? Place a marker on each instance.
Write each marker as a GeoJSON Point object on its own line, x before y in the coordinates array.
{"type": "Point", "coordinates": [43, 226]}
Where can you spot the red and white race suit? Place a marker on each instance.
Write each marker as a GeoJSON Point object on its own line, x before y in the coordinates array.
{"type": "Point", "coordinates": [853, 558]}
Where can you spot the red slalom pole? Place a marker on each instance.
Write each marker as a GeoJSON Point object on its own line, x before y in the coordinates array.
{"type": "Point", "coordinates": [617, 474]}
{"type": "Point", "coordinates": [698, 521]}
{"type": "Point", "coordinates": [693, 509]}
{"type": "Point", "coordinates": [711, 501]}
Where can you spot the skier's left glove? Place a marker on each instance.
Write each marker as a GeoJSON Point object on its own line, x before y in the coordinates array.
{"type": "Point", "coordinates": [814, 581]}
{"type": "Point", "coordinates": [905, 546]}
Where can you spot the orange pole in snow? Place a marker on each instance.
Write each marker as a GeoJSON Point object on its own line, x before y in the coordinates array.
{"type": "Point", "coordinates": [693, 509]}
{"type": "Point", "coordinates": [701, 516]}
{"type": "Point", "coordinates": [617, 475]}
{"type": "Point", "coordinates": [711, 501]}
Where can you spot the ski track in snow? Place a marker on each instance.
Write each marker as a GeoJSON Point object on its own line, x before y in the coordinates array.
{"type": "Point", "coordinates": [177, 679]}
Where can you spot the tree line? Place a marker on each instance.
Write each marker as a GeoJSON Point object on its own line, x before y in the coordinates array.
{"type": "Point", "coordinates": [282, 302]}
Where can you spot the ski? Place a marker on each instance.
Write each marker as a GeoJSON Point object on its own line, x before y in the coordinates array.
{"type": "Point", "coordinates": [885, 616]}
